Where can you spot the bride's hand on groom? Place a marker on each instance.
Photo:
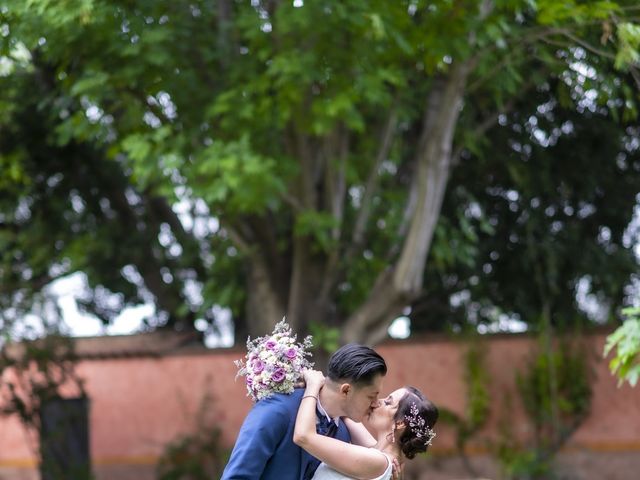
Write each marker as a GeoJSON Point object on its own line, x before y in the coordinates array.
{"type": "Point", "coordinates": [396, 471]}
{"type": "Point", "coordinates": [313, 379]}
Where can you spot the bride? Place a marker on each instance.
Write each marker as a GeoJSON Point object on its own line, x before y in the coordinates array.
{"type": "Point", "coordinates": [398, 428]}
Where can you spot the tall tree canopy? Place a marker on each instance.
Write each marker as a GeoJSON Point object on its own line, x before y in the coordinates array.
{"type": "Point", "coordinates": [291, 158]}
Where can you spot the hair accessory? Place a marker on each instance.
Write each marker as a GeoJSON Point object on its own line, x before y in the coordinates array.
{"type": "Point", "coordinates": [419, 426]}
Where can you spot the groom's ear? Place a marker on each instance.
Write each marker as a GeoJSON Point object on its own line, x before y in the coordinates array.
{"type": "Point", "coordinates": [345, 388]}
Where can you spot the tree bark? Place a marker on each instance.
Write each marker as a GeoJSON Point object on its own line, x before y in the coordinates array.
{"type": "Point", "coordinates": [265, 307]}
{"type": "Point", "coordinates": [305, 303]}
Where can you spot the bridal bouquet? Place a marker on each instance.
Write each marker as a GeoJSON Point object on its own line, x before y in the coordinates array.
{"type": "Point", "coordinates": [274, 363]}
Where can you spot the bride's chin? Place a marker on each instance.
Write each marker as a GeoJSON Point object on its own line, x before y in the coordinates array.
{"type": "Point", "coordinates": [366, 422]}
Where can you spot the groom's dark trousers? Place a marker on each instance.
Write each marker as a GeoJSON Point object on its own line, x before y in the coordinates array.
{"type": "Point", "coordinates": [264, 448]}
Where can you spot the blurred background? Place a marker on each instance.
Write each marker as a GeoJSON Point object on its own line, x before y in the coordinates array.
{"type": "Point", "coordinates": [456, 183]}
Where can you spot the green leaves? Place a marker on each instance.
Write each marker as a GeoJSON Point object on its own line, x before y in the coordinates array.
{"type": "Point", "coordinates": [13, 175]}
{"type": "Point", "coordinates": [629, 44]}
{"type": "Point", "coordinates": [137, 147]}
{"type": "Point", "coordinates": [556, 390]}
{"type": "Point", "coordinates": [91, 84]}
{"type": "Point", "coordinates": [325, 338]}
{"type": "Point", "coordinates": [318, 226]}
{"type": "Point", "coordinates": [233, 176]}
{"type": "Point", "coordinates": [625, 363]}
{"type": "Point", "coordinates": [551, 12]}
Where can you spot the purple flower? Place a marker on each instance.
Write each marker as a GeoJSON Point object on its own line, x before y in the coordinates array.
{"type": "Point", "coordinates": [257, 366]}
{"type": "Point", "coordinates": [271, 359]}
{"type": "Point", "coordinates": [291, 353]}
{"type": "Point", "coordinates": [278, 375]}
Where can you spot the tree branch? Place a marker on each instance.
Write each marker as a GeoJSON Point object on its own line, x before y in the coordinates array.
{"type": "Point", "coordinates": [386, 140]}
{"type": "Point", "coordinates": [489, 122]}
{"type": "Point", "coordinates": [636, 76]}
{"type": "Point", "coordinates": [306, 186]}
{"type": "Point", "coordinates": [10, 226]}
{"type": "Point", "coordinates": [243, 244]}
{"type": "Point", "coordinates": [225, 18]}
{"type": "Point", "coordinates": [406, 221]}
{"type": "Point", "coordinates": [335, 159]}
{"type": "Point", "coordinates": [587, 45]}
{"type": "Point", "coordinates": [336, 193]}
{"type": "Point", "coordinates": [165, 213]}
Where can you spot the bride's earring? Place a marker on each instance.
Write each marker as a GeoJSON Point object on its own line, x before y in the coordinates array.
{"type": "Point", "coordinates": [393, 436]}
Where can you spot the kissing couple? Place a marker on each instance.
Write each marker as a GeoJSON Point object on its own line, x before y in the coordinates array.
{"type": "Point", "coordinates": [336, 428]}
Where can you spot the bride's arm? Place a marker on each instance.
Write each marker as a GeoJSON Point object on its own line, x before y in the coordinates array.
{"type": "Point", "coordinates": [350, 460]}
{"type": "Point", "coordinates": [359, 434]}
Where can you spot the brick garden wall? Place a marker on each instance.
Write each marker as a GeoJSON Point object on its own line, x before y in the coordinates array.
{"type": "Point", "coordinates": [138, 405]}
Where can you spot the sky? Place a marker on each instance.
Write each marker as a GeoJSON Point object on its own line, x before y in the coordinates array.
{"type": "Point", "coordinates": [130, 321]}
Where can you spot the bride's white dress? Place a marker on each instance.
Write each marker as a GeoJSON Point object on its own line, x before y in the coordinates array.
{"type": "Point", "coordinates": [324, 472]}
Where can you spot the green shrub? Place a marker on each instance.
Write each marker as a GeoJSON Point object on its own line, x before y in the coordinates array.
{"type": "Point", "coordinates": [198, 455]}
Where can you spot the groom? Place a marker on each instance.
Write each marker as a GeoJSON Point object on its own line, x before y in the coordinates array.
{"type": "Point", "coordinates": [264, 448]}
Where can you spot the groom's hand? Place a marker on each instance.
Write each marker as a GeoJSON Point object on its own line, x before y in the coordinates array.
{"type": "Point", "coordinates": [300, 383]}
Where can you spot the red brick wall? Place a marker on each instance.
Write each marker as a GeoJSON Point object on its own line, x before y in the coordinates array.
{"type": "Point", "coordinates": [138, 405]}
{"type": "Point", "coordinates": [437, 369]}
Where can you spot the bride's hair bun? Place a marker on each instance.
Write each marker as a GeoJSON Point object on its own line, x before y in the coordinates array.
{"type": "Point", "coordinates": [412, 446]}
{"type": "Point", "coordinates": [419, 416]}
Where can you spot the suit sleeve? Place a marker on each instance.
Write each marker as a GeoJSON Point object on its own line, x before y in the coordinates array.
{"type": "Point", "coordinates": [262, 430]}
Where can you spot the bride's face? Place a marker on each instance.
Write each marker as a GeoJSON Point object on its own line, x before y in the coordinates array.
{"type": "Point", "coordinates": [381, 418]}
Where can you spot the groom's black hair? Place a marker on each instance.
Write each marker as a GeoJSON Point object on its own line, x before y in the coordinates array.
{"type": "Point", "coordinates": [357, 363]}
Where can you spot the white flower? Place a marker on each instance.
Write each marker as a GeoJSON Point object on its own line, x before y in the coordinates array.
{"type": "Point", "coordinates": [277, 361]}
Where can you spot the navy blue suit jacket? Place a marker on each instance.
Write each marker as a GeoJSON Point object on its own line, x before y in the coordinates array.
{"type": "Point", "coordinates": [264, 448]}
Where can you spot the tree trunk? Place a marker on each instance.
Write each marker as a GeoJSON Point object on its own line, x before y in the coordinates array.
{"type": "Point", "coordinates": [306, 304]}
{"type": "Point", "coordinates": [399, 284]}
{"type": "Point", "coordinates": [307, 299]}
{"type": "Point", "coordinates": [265, 306]}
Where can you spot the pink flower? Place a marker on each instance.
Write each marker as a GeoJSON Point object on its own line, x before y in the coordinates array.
{"type": "Point", "coordinates": [257, 366]}
{"type": "Point", "coordinates": [278, 375]}
{"type": "Point", "coordinates": [271, 360]}
{"type": "Point", "coordinates": [291, 353]}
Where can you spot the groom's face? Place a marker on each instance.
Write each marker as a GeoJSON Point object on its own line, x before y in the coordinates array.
{"type": "Point", "coordinates": [361, 400]}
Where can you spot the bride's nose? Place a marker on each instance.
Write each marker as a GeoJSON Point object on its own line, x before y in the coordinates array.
{"type": "Point", "coordinates": [375, 404]}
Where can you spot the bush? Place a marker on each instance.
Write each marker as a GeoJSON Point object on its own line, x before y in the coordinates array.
{"type": "Point", "coordinates": [198, 455]}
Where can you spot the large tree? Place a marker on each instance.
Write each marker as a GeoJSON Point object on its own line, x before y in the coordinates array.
{"type": "Point", "coordinates": [274, 157]}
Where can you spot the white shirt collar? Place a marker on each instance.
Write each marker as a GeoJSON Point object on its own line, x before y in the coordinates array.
{"type": "Point", "coordinates": [324, 412]}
